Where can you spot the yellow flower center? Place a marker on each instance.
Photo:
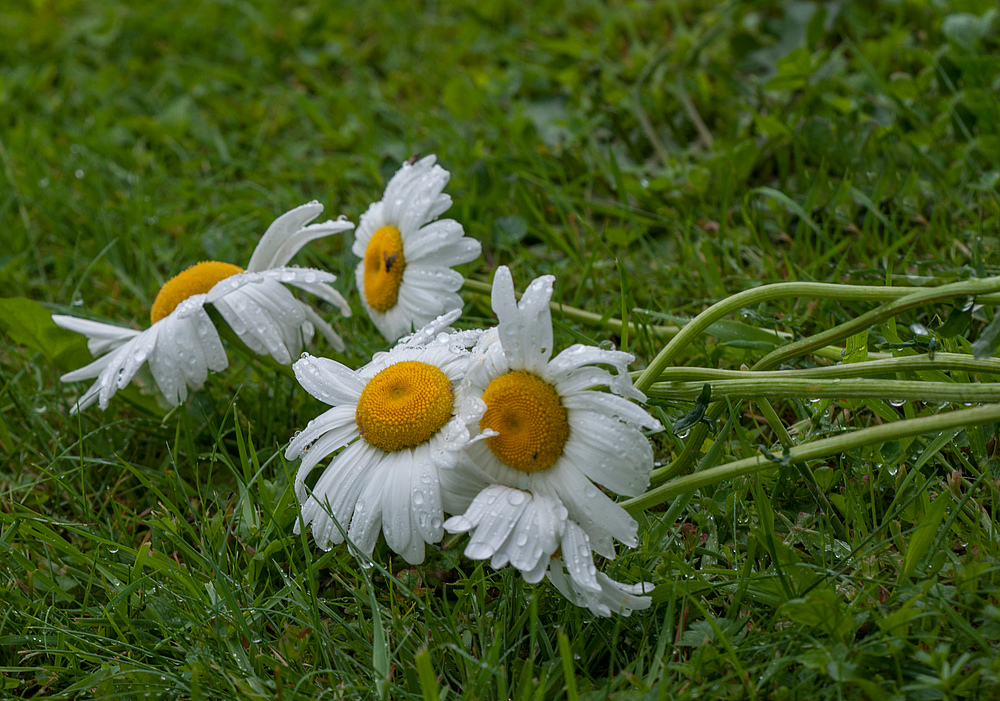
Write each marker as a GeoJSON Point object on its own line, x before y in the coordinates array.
{"type": "Point", "coordinates": [384, 265]}
{"type": "Point", "coordinates": [531, 422]}
{"type": "Point", "coordinates": [404, 405]}
{"type": "Point", "coordinates": [196, 280]}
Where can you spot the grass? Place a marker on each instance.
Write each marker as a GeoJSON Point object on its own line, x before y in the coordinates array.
{"type": "Point", "coordinates": [655, 157]}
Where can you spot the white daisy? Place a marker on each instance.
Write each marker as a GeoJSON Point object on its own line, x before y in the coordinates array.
{"type": "Point", "coordinates": [182, 344]}
{"type": "Point", "coordinates": [405, 276]}
{"type": "Point", "coordinates": [544, 432]}
{"type": "Point", "coordinates": [394, 420]}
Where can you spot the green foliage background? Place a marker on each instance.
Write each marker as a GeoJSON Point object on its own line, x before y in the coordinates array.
{"type": "Point", "coordinates": [653, 155]}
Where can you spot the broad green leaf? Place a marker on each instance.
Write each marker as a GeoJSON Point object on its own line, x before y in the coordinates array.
{"type": "Point", "coordinates": [30, 324]}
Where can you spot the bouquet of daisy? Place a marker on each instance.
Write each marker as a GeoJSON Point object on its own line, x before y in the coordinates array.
{"type": "Point", "coordinates": [488, 432]}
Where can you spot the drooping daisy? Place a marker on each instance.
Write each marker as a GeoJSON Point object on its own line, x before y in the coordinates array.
{"type": "Point", "coordinates": [544, 432]}
{"type": "Point", "coordinates": [394, 420]}
{"type": "Point", "coordinates": [405, 276]}
{"type": "Point", "coordinates": [182, 344]}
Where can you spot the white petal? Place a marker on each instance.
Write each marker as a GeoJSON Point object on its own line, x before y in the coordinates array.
{"type": "Point", "coordinates": [600, 517]}
{"type": "Point", "coordinates": [367, 521]}
{"type": "Point", "coordinates": [327, 294]}
{"type": "Point", "coordinates": [396, 524]}
{"type": "Point", "coordinates": [569, 371]}
{"type": "Point", "coordinates": [434, 237]}
{"type": "Point", "coordinates": [579, 558]}
{"type": "Point", "coordinates": [294, 243]}
{"type": "Point", "coordinates": [425, 497]}
{"type": "Point", "coordinates": [278, 233]}
{"type": "Point", "coordinates": [525, 329]}
{"type": "Point", "coordinates": [611, 406]}
{"type": "Point", "coordinates": [505, 507]}
{"type": "Point", "coordinates": [327, 444]}
{"type": "Point", "coordinates": [328, 380]}
{"type": "Point", "coordinates": [609, 452]}
{"type": "Point", "coordinates": [101, 338]}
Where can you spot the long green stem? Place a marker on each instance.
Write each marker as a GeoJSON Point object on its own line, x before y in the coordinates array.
{"type": "Point", "coordinates": [803, 388]}
{"type": "Point", "coordinates": [910, 363]}
{"type": "Point", "coordinates": [838, 333]}
{"type": "Point", "coordinates": [907, 300]}
{"type": "Point", "coordinates": [953, 420]}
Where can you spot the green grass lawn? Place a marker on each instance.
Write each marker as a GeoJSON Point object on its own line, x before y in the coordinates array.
{"type": "Point", "coordinates": [657, 157]}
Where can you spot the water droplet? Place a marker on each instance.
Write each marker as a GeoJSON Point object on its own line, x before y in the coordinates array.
{"type": "Point", "coordinates": [607, 345]}
{"type": "Point", "coordinates": [813, 400]}
{"type": "Point", "coordinates": [897, 402]}
{"type": "Point", "coordinates": [79, 173]}
{"type": "Point", "coordinates": [684, 433]}
{"type": "Point", "coordinates": [43, 183]}
{"type": "Point", "coordinates": [112, 549]}
{"type": "Point", "coordinates": [892, 469]}
{"type": "Point", "coordinates": [515, 497]}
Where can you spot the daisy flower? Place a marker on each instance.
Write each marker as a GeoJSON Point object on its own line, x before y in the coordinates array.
{"type": "Point", "coordinates": [182, 344]}
{"type": "Point", "coordinates": [405, 276]}
{"type": "Point", "coordinates": [395, 426]}
{"type": "Point", "coordinates": [543, 432]}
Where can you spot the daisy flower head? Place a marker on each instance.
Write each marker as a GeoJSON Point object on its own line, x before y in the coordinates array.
{"type": "Point", "coordinates": [543, 430]}
{"type": "Point", "coordinates": [405, 277]}
{"type": "Point", "coordinates": [182, 343]}
{"type": "Point", "coordinates": [394, 424]}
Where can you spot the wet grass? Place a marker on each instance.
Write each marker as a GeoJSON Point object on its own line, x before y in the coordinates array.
{"type": "Point", "coordinates": [656, 157]}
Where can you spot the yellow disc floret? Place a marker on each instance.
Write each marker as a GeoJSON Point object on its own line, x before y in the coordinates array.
{"type": "Point", "coordinates": [531, 421]}
{"type": "Point", "coordinates": [404, 405]}
{"type": "Point", "coordinates": [196, 280]}
{"type": "Point", "coordinates": [384, 265]}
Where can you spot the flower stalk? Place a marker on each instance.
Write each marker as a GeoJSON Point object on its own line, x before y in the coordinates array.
{"type": "Point", "coordinates": [816, 450]}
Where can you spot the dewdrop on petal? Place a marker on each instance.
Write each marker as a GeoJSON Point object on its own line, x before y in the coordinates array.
{"type": "Point", "coordinates": [182, 344]}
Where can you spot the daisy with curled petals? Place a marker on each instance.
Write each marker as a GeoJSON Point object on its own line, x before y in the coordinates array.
{"type": "Point", "coordinates": [542, 432]}
{"type": "Point", "coordinates": [182, 344]}
{"type": "Point", "coordinates": [394, 423]}
{"type": "Point", "coordinates": [405, 276]}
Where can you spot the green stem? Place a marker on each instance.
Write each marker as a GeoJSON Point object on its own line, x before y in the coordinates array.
{"type": "Point", "coordinates": [810, 388]}
{"type": "Point", "coordinates": [902, 299]}
{"type": "Point", "coordinates": [974, 288]}
{"type": "Point", "coordinates": [950, 421]}
{"type": "Point", "coordinates": [909, 363]}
